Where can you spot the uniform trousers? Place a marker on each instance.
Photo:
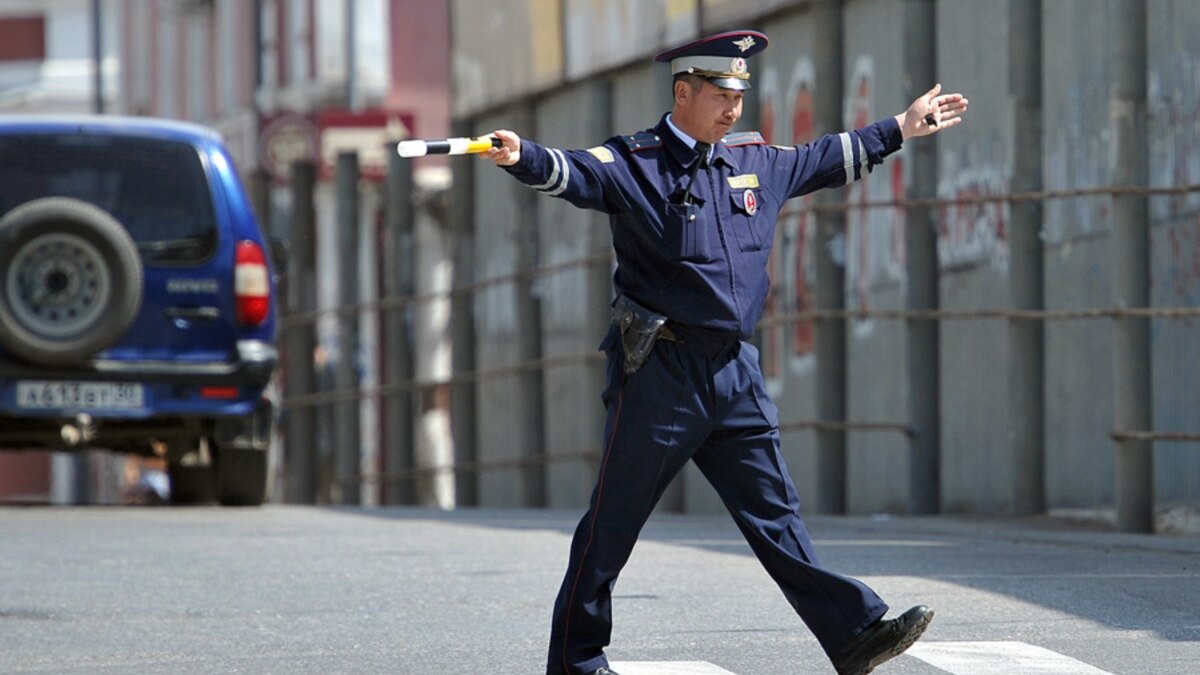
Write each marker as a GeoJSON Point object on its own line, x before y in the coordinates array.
{"type": "Point", "coordinates": [686, 404]}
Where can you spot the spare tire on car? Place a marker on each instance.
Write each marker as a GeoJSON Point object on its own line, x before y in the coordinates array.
{"type": "Point", "coordinates": [70, 281]}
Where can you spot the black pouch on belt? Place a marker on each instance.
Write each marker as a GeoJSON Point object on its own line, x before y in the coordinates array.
{"type": "Point", "coordinates": [640, 329]}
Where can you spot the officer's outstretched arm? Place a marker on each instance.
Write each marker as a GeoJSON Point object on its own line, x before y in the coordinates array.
{"type": "Point", "coordinates": [586, 178]}
{"type": "Point", "coordinates": [931, 113]}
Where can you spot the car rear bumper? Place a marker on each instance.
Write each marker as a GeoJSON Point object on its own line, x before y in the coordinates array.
{"type": "Point", "coordinates": [253, 367]}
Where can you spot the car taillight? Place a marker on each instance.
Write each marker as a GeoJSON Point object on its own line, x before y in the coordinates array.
{"type": "Point", "coordinates": [251, 284]}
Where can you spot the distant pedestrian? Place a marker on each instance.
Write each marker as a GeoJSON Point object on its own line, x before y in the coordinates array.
{"type": "Point", "coordinates": [693, 210]}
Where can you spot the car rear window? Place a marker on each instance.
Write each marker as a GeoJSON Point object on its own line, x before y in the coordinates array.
{"type": "Point", "coordinates": [156, 188]}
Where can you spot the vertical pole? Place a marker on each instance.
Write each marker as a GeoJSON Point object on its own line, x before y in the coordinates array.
{"type": "Point", "coordinates": [831, 271]}
{"type": "Point", "coordinates": [1131, 274]}
{"type": "Point", "coordinates": [260, 198]}
{"type": "Point", "coordinates": [351, 54]}
{"type": "Point", "coordinates": [462, 324]}
{"type": "Point", "coordinates": [347, 449]}
{"type": "Point", "coordinates": [98, 56]}
{"type": "Point", "coordinates": [398, 286]}
{"type": "Point", "coordinates": [1025, 281]}
{"type": "Point", "coordinates": [300, 340]}
{"type": "Point", "coordinates": [921, 267]}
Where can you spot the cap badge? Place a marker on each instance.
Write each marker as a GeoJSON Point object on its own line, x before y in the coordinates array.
{"type": "Point", "coordinates": [737, 65]}
{"type": "Point", "coordinates": [750, 202]}
{"type": "Point", "coordinates": [745, 43]}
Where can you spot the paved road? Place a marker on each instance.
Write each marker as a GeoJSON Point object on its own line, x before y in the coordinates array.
{"type": "Point", "coordinates": [309, 590]}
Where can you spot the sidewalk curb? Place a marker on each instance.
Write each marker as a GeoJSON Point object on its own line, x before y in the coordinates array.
{"type": "Point", "coordinates": [1042, 529]}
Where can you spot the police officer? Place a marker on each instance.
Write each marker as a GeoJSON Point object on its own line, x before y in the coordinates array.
{"type": "Point", "coordinates": [693, 209]}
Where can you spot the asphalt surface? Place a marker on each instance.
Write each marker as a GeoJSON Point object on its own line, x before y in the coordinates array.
{"type": "Point", "coordinates": [316, 590]}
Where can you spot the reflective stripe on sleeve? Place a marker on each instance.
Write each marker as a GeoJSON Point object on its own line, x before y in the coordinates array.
{"type": "Point", "coordinates": [863, 161]}
{"type": "Point", "coordinates": [566, 174]}
{"type": "Point", "coordinates": [553, 174]}
{"type": "Point", "coordinates": [847, 156]}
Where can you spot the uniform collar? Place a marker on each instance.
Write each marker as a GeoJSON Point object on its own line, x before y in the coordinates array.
{"type": "Point", "coordinates": [680, 145]}
{"type": "Point", "coordinates": [683, 136]}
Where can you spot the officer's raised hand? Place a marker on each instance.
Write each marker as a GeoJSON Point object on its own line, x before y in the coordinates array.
{"type": "Point", "coordinates": [507, 154]}
{"type": "Point", "coordinates": [931, 113]}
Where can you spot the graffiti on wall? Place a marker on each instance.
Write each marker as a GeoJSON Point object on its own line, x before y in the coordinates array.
{"type": "Point", "coordinates": [1174, 111]}
{"type": "Point", "coordinates": [875, 236]}
{"type": "Point", "coordinates": [1079, 154]}
{"type": "Point", "coordinates": [786, 118]}
{"type": "Point", "coordinates": [972, 233]}
{"type": "Point", "coordinates": [1174, 108]}
{"type": "Point", "coordinates": [1174, 98]}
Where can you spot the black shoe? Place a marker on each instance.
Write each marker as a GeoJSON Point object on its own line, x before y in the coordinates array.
{"type": "Point", "coordinates": [604, 671]}
{"type": "Point", "coordinates": [883, 640]}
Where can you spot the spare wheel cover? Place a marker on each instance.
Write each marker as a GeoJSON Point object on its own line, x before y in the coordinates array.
{"type": "Point", "coordinates": [72, 281]}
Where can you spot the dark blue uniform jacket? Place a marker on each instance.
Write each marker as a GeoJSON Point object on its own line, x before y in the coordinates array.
{"type": "Point", "coordinates": [701, 259]}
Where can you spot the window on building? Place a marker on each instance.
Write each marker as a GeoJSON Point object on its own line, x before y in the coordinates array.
{"type": "Point", "coordinates": [22, 39]}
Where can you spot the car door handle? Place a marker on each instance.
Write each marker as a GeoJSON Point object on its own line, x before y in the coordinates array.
{"type": "Point", "coordinates": [193, 313]}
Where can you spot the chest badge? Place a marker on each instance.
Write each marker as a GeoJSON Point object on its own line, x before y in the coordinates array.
{"type": "Point", "coordinates": [749, 180]}
{"type": "Point", "coordinates": [750, 202]}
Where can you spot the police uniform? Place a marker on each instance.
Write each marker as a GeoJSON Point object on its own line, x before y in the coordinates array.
{"type": "Point", "coordinates": [692, 236]}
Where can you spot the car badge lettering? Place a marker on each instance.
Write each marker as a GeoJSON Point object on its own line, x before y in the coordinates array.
{"type": "Point", "coordinates": [193, 286]}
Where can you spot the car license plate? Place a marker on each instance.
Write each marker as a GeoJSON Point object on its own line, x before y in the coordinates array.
{"type": "Point", "coordinates": [85, 395]}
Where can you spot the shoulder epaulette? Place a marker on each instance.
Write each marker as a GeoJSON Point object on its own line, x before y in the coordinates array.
{"type": "Point", "coordinates": [642, 140]}
{"type": "Point", "coordinates": [743, 138]}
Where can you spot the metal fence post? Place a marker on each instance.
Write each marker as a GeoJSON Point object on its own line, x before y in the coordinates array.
{"type": "Point", "coordinates": [397, 335]}
{"type": "Point", "coordinates": [1131, 274]}
{"type": "Point", "coordinates": [347, 450]}
{"type": "Point", "coordinates": [831, 271]}
{"type": "Point", "coordinates": [260, 198]}
{"type": "Point", "coordinates": [300, 340]}
{"type": "Point", "coordinates": [1025, 273]}
{"type": "Point", "coordinates": [921, 268]}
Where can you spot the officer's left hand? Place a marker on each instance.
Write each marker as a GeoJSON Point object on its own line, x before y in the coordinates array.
{"type": "Point", "coordinates": [943, 109]}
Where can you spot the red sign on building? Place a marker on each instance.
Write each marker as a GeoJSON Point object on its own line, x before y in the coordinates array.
{"type": "Point", "coordinates": [321, 136]}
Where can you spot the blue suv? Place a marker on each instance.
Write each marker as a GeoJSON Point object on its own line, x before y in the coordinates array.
{"type": "Point", "coordinates": [136, 300]}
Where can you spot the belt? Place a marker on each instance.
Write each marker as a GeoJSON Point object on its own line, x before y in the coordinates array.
{"type": "Point", "coordinates": [709, 342]}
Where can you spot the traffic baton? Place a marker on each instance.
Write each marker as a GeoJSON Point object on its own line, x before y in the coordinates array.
{"type": "Point", "coordinates": [447, 146]}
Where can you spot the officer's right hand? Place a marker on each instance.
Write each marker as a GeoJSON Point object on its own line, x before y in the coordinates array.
{"type": "Point", "coordinates": [507, 154]}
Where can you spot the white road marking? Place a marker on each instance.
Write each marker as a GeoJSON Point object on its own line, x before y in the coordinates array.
{"type": "Point", "coordinates": [998, 658]}
{"type": "Point", "coordinates": [668, 668]}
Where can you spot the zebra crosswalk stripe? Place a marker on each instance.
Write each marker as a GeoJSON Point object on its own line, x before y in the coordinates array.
{"type": "Point", "coordinates": [998, 658]}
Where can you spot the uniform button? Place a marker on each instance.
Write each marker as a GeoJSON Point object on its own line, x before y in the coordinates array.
{"type": "Point", "coordinates": [692, 217]}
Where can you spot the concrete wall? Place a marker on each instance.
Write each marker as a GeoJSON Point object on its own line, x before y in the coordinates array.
{"type": "Point", "coordinates": [1174, 116]}
{"type": "Point", "coordinates": [502, 400]}
{"type": "Point", "coordinates": [574, 301]}
{"type": "Point", "coordinates": [1078, 260]}
{"type": "Point", "coordinates": [973, 254]}
{"type": "Point", "coordinates": [627, 93]}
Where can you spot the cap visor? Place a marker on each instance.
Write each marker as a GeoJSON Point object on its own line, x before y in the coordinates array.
{"type": "Point", "coordinates": [730, 83]}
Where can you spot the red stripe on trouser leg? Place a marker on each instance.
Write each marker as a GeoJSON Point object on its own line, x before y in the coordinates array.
{"type": "Point", "coordinates": [591, 530]}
